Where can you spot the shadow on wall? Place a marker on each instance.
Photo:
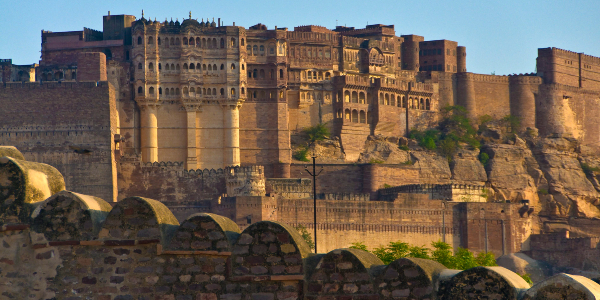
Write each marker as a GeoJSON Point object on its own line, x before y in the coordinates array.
{"type": "Point", "coordinates": [74, 245]}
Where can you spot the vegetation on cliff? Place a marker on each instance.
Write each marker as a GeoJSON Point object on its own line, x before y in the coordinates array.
{"type": "Point", "coordinates": [442, 252]}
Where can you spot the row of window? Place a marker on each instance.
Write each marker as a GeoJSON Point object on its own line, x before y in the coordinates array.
{"type": "Point", "coordinates": [57, 76]}
{"type": "Point", "coordinates": [210, 43]}
{"type": "Point", "coordinates": [354, 116]}
{"type": "Point", "coordinates": [191, 92]}
{"type": "Point", "coordinates": [438, 67]}
{"type": "Point", "coordinates": [255, 50]}
{"type": "Point", "coordinates": [191, 66]}
{"type": "Point", "coordinates": [388, 99]}
{"type": "Point", "coordinates": [310, 52]}
{"type": "Point", "coordinates": [260, 74]}
{"type": "Point", "coordinates": [263, 95]}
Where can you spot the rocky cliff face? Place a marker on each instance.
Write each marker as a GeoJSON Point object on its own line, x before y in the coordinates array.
{"type": "Point", "coordinates": [559, 177]}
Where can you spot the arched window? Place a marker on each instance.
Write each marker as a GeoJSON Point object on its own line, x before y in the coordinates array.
{"type": "Point", "coordinates": [176, 91]}
{"type": "Point", "coordinates": [185, 66]}
{"type": "Point", "coordinates": [192, 43]}
{"type": "Point", "coordinates": [210, 67]}
{"type": "Point", "coordinates": [422, 104]}
{"type": "Point", "coordinates": [150, 40]}
{"type": "Point", "coordinates": [399, 101]}
{"type": "Point", "coordinates": [167, 92]}
{"type": "Point", "coordinates": [243, 91]}
{"type": "Point", "coordinates": [73, 75]}
{"type": "Point", "coordinates": [204, 67]}
{"type": "Point", "coordinates": [255, 73]}
{"type": "Point", "coordinates": [214, 67]}
{"type": "Point", "coordinates": [222, 43]}
{"type": "Point", "coordinates": [233, 66]}
{"type": "Point", "coordinates": [151, 67]}
{"type": "Point", "coordinates": [159, 66]}
{"type": "Point", "coordinates": [347, 114]}
{"type": "Point", "coordinates": [139, 40]}
{"type": "Point", "coordinates": [347, 96]}
{"type": "Point", "coordinates": [262, 49]}
{"type": "Point", "coordinates": [381, 100]}
{"type": "Point", "coordinates": [214, 43]}
{"type": "Point", "coordinates": [192, 91]}
{"type": "Point", "coordinates": [177, 42]}
{"type": "Point", "coordinates": [404, 102]}
{"type": "Point", "coordinates": [204, 43]}
{"type": "Point", "coordinates": [361, 98]}
{"type": "Point", "coordinates": [197, 42]}
{"type": "Point", "coordinates": [387, 99]}
{"type": "Point", "coordinates": [198, 67]}
{"type": "Point", "coordinates": [139, 66]}
{"type": "Point", "coordinates": [254, 94]}
{"type": "Point", "coordinates": [242, 42]}
{"type": "Point", "coordinates": [327, 76]}
{"type": "Point", "coordinates": [172, 91]}
{"type": "Point", "coordinates": [204, 91]}
{"type": "Point", "coordinates": [222, 91]}
{"type": "Point", "coordinates": [232, 42]}
{"type": "Point", "coordinates": [393, 100]}
{"type": "Point", "coordinates": [262, 74]}
{"type": "Point", "coordinates": [160, 91]}
{"type": "Point", "coordinates": [177, 67]}
{"type": "Point", "coordinates": [140, 90]}
{"type": "Point", "coordinates": [215, 92]}
{"type": "Point", "coordinates": [209, 92]}
{"type": "Point", "coordinates": [280, 73]}
{"type": "Point", "coordinates": [427, 104]}
{"type": "Point", "coordinates": [222, 66]}
{"type": "Point", "coordinates": [192, 67]}
{"type": "Point", "coordinates": [243, 68]}
{"type": "Point", "coordinates": [254, 50]}
{"type": "Point", "coordinates": [354, 97]}
{"type": "Point", "coordinates": [185, 41]}
{"type": "Point", "coordinates": [362, 117]}
{"type": "Point", "coordinates": [185, 91]}
{"type": "Point", "coordinates": [167, 67]}
{"type": "Point", "coordinates": [232, 92]}
{"type": "Point", "coordinates": [280, 94]}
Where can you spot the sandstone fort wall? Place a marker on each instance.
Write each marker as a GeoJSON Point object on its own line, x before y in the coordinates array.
{"type": "Point", "coordinates": [76, 137]}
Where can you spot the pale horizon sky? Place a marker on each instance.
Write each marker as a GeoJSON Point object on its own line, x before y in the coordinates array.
{"type": "Point", "coordinates": [500, 36]}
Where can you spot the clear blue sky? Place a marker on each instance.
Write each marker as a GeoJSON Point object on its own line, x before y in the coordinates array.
{"type": "Point", "coordinates": [500, 36]}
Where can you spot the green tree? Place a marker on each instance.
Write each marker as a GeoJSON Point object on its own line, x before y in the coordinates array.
{"type": "Point", "coordinates": [315, 133]}
{"type": "Point", "coordinates": [306, 236]}
{"type": "Point", "coordinates": [359, 246]}
{"type": "Point", "coordinates": [511, 122]}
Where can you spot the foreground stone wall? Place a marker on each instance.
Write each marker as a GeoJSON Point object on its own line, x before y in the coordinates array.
{"type": "Point", "coordinates": [142, 252]}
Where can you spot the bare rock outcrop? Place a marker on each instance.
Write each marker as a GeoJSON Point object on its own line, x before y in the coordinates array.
{"type": "Point", "coordinates": [570, 193]}
{"type": "Point", "coordinates": [508, 171]}
{"type": "Point", "coordinates": [383, 150]}
{"type": "Point", "coordinates": [466, 167]}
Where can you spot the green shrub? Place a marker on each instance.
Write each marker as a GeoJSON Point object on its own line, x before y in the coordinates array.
{"type": "Point", "coordinates": [375, 161]}
{"type": "Point", "coordinates": [403, 147]}
{"type": "Point", "coordinates": [589, 170]}
{"type": "Point", "coordinates": [301, 154]}
{"type": "Point", "coordinates": [386, 186]}
{"type": "Point", "coordinates": [408, 162]}
{"type": "Point", "coordinates": [484, 158]}
{"type": "Point", "coordinates": [527, 278]}
{"type": "Point", "coordinates": [305, 235]}
{"type": "Point", "coordinates": [315, 133]}
{"type": "Point", "coordinates": [543, 191]}
{"type": "Point", "coordinates": [511, 122]}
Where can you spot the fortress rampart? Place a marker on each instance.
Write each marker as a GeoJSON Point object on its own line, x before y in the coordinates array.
{"type": "Point", "coordinates": [73, 245]}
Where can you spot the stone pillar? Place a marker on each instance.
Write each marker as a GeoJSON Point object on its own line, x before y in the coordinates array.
{"type": "Point", "coordinates": [192, 158]}
{"type": "Point", "coordinates": [231, 133]}
{"type": "Point", "coordinates": [149, 128]}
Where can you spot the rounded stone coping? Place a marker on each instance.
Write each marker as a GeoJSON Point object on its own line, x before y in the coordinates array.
{"type": "Point", "coordinates": [229, 229]}
{"type": "Point", "coordinates": [41, 180]}
{"type": "Point", "coordinates": [369, 261]}
{"type": "Point", "coordinates": [516, 282]}
{"type": "Point", "coordinates": [580, 283]}
{"type": "Point", "coordinates": [165, 219]}
{"type": "Point", "coordinates": [97, 208]}
{"type": "Point", "coordinates": [297, 239]}
{"type": "Point", "coordinates": [11, 151]}
{"type": "Point", "coordinates": [428, 267]}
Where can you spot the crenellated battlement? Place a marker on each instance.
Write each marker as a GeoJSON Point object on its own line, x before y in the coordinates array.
{"type": "Point", "coordinates": [452, 192]}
